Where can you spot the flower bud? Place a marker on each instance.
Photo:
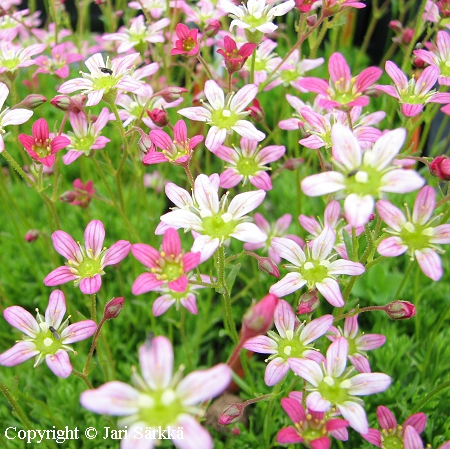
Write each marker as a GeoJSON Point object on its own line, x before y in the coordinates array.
{"type": "Point", "coordinates": [293, 164]}
{"type": "Point", "coordinates": [212, 28]}
{"type": "Point", "coordinates": [311, 20]}
{"type": "Point", "coordinates": [170, 94]}
{"type": "Point", "coordinates": [256, 111]}
{"type": "Point", "coordinates": [258, 318]}
{"type": "Point", "coordinates": [395, 25]}
{"type": "Point", "coordinates": [309, 302]}
{"type": "Point", "coordinates": [66, 103]}
{"type": "Point", "coordinates": [32, 235]}
{"type": "Point", "coordinates": [159, 117]}
{"type": "Point", "coordinates": [232, 414]}
{"type": "Point", "coordinates": [400, 310]}
{"type": "Point", "coordinates": [113, 308]}
{"type": "Point", "coordinates": [267, 265]}
{"type": "Point", "coordinates": [68, 197]}
{"type": "Point", "coordinates": [31, 101]}
{"type": "Point", "coordinates": [440, 167]}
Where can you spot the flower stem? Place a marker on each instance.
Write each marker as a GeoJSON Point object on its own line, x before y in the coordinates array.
{"type": "Point", "coordinates": [83, 377]}
{"type": "Point", "coordinates": [93, 345]}
{"type": "Point", "coordinates": [430, 395]}
{"type": "Point", "coordinates": [205, 66]}
{"type": "Point", "coordinates": [93, 307]}
{"type": "Point", "coordinates": [404, 280]}
{"type": "Point", "coordinates": [15, 406]}
{"type": "Point", "coordinates": [252, 67]}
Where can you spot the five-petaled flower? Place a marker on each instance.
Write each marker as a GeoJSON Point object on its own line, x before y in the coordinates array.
{"type": "Point", "coordinates": [48, 337]}
{"type": "Point", "coordinates": [313, 267]}
{"type": "Point", "coordinates": [235, 58]}
{"type": "Point", "coordinates": [85, 263]}
{"type": "Point", "coordinates": [415, 233]}
{"type": "Point", "coordinates": [292, 341]}
{"type": "Point", "coordinates": [40, 145]}
{"type": "Point", "coordinates": [225, 114]}
{"type": "Point", "coordinates": [160, 399]}
{"type": "Point", "coordinates": [187, 43]}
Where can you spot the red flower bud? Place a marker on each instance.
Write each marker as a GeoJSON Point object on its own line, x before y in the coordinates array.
{"type": "Point", "coordinates": [66, 103]}
{"type": "Point", "coordinates": [267, 265]}
{"type": "Point", "coordinates": [293, 164]}
{"type": "Point", "coordinates": [170, 94]}
{"type": "Point", "coordinates": [31, 101]}
{"type": "Point", "coordinates": [256, 111]}
{"type": "Point", "coordinates": [68, 197]}
{"type": "Point", "coordinates": [311, 20]}
{"type": "Point", "coordinates": [400, 310]}
{"type": "Point", "coordinates": [32, 235]}
{"type": "Point", "coordinates": [440, 167]}
{"type": "Point", "coordinates": [395, 25]}
{"type": "Point", "coordinates": [309, 302]}
{"type": "Point", "coordinates": [232, 414]}
{"type": "Point", "coordinates": [159, 117]}
{"type": "Point", "coordinates": [258, 318]}
{"type": "Point", "coordinates": [113, 308]}
{"type": "Point", "coordinates": [212, 28]}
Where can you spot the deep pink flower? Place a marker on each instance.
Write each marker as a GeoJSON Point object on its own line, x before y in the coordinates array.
{"type": "Point", "coordinates": [160, 399]}
{"type": "Point", "coordinates": [412, 440]}
{"type": "Point", "coordinates": [40, 146]}
{"type": "Point", "coordinates": [440, 167]}
{"type": "Point", "coordinates": [310, 428]}
{"type": "Point", "coordinates": [187, 43]}
{"type": "Point", "coordinates": [393, 434]}
{"type": "Point", "coordinates": [177, 151]}
{"type": "Point", "coordinates": [235, 58]}
{"type": "Point", "coordinates": [343, 91]}
{"type": "Point", "coordinates": [167, 267]}
{"type": "Point", "coordinates": [83, 193]}
{"type": "Point", "coordinates": [48, 336]}
{"type": "Point", "coordinates": [85, 263]}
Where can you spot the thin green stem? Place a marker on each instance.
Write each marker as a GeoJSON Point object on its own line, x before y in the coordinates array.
{"type": "Point", "coordinates": [15, 406]}
{"type": "Point", "coordinates": [83, 377]}
{"type": "Point", "coordinates": [205, 66]}
{"type": "Point", "coordinates": [94, 307]}
{"type": "Point", "coordinates": [404, 280]}
{"type": "Point", "coordinates": [252, 67]}
{"type": "Point", "coordinates": [430, 395]}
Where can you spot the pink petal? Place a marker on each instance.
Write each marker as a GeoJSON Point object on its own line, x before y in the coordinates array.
{"type": "Point", "coordinates": [289, 250]}
{"type": "Point", "coordinates": [424, 205]}
{"type": "Point", "coordinates": [59, 276]}
{"type": "Point", "coordinates": [275, 371]}
{"type": "Point", "coordinates": [399, 78]}
{"type": "Point", "coordinates": [331, 292]}
{"type": "Point", "coordinates": [206, 194]}
{"type": "Point", "coordinates": [194, 435]}
{"type": "Point", "coordinates": [368, 383]}
{"type": "Point", "coordinates": [373, 436]}
{"type": "Point", "coordinates": [261, 345]}
{"type": "Point", "coordinates": [418, 421]}
{"type": "Point", "coordinates": [323, 183]}
{"type": "Point", "coordinates": [261, 181]}
{"type": "Point", "coordinates": [145, 282]}
{"type": "Point", "coordinates": [360, 363]}
{"type": "Point", "coordinates": [59, 363]}
{"type": "Point", "coordinates": [386, 418]}
{"type": "Point", "coordinates": [346, 149]}
{"type": "Point", "coordinates": [441, 234]}
{"type": "Point", "coordinates": [367, 77]}
{"type": "Point", "coordinates": [230, 178]}
{"type": "Point", "coordinates": [411, 439]}
{"type": "Point", "coordinates": [391, 215]}
{"type": "Point", "coordinates": [323, 243]}
{"type": "Point", "coordinates": [243, 97]}
{"type": "Point", "coordinates": [248, 130]}
{"type": "Point", "coordinates": [117, 252]}
{"type": "Point", "coordinates": [78, 331]}
{"type": "Point", "coordinates": [66, 246]}
{"type": "Point", "coordinates": [358, 209]}
{"type": "Point", "coordinates": [94, 236]}
{"type": "Point", "coordinates": [190, 261]}
{"type": "Point", "coordinates": [284, 319]}
{"type": "Point", "coordinates": [162, 304]}
{"type": "Point", "coordinates": [189, 302]}
{"type": "Point", "coordinates": [348, 267]}
{"type": "Point", "coordinates": [156, 359]}
{"type": "Point", "coordinates": [289, 435]}
{"type": "Point", "coordinates": [337, 357]}
{"type": "Point", "coordinates": [91, 285]}
{"type": "Point", "coordinates": [290, 283]}
{"type": "Point", "coordinates": [315, 329]}
{"type": "Point", "coordinates": [19, 353]}
{"type": "Point", "coordinates": [430, 263]}
{"type": "Point", "coordinates": [368, 342]}
{"type": "Point", "coordinates": [316, 402]}
{"type": "Point", "coordinates": [178, 285]}
{"type": "Point", "coordinates": [321, 443]}
{"type": "Point", "coordinates": [146, 254]}
{"type": "Point", "coordinates": [355, 415]}
{"type": "Point", "coordinates": [171, 244]}
{"type": "Point", "coordinates": [21, 319]}
{"type": "Point", "coordinates": [56, 309]}
{"type": "Point", "coordinates": [307, 369]}
{"type": "Point", "coordinates": [294, 409]}
{"type": "Point", "coordinates": [392, 247]}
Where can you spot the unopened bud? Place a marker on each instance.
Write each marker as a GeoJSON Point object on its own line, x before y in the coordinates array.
{"type": "Point", "coordinates": [31, 101]}
{"type": "Point", "coordinates": [267, 265]}
{"type": "Point", "coordinates": [232, 414]}
{"type": "Point", "coordinates": [32, 235]}
{"type": "Point", "coordinates": [256, 111]}
{"type": "Point", "coordinates": [119, 13]}
{"type": "Point", "coordinates": [170, 94]}
{"type": "Point", "coordinates": [113, 308]}
{"type": "Point", "coordinates": [395, 25]}
{"type": "Point", "coordinates": [68, 197]}
{"type": "Point", "coordinates": [212, 28]}
{"type": "Point", "coordinates": [258, 318]}
{"type": "Point", "coordinates": [419, 62]}
{"type": "Point", "coordinates": [159, 117]}
{"type": "Point", "coordinates": [293, 164]}
{"type": "Point", "coordinates": [309, 302]}
{"type": "Point", "coordinates": [311, 20]}
{"type": "Point", "coordinates": [440, 167]}
{"type": "Point", "coordinates": [66, 103]}
{"type": "Point", "coordinates": [400, 310]}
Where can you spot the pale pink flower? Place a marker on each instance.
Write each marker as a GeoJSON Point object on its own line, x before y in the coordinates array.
{"type": "Point", "coordinates": [160, 399]}
{"type": "Point", "coordinates": [278, 229]}
{"type": "Point", "coordinates": [213, 221]}
{"type": "Point", "coordinates": [297, 121]}
{"type": "Point", "coordinates": [363, 176]}
{"type": "Point", "coordinates": [311, 428]}
{"type": "Point", "coordinates": [86, 135]}
{"type": "Point", "coordinates": [48, 337]}
{"type": "Point", "coordinates": [202, 13]}
{"type": "Point", "coordinates": [393, 433]}
{"type": "Point", "coordinates": [358, 343]}
{"type": "Point", "coordinates": [412, 440]}
{"type": "Point", "coordinates": [48, 34]}
{"type": "Point", "coordinates": [85, 263]}
{"type": "Point", "coordinates": [248, 163]}
{"type": "Point", "coordinates": [104, 77]}
{"type": "Point", "coordinates": [41, 145]}
{"type": "Point", "coordinates": [292, 341]}
{"type": "Point", "coordinates": [331, 7]}
{"type": "Point", "coordinates": [225, 114]}
{"type": "Point", "coordinates": [137, 33]}
{"type": "Point", "coordinates": [415, 234]}
{"type": "Point", "coordinates": [333, 385]}
{"type": "Point", "coordinates": [413, 95]}
{"type": "Point", "coordinates": [313, 267]}
{"type": "Point", "coordinates": [14, 57]}
{"type": "Point", "coordinates": [167, 267]}
{"type": "Point", "coordinates": [10, 117]}
{"type": "Point", "coordinates": [439, 57]}
{"type": "Point", "coordinates": [343, 91]}
{"type": "Point", "coordinates": [156, 8]}
{"type": "Point", "coordinates": [58, 63]}
{"type": "Point", "coordinates": [177, 151]}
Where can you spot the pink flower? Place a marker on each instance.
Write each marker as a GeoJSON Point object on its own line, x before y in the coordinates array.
{"type": "Point", "coordinates": [234, 58]}
{"type": "Point", "coordinates": [248, 162]}
{"type": "Point", "coordinates": [310, 428]}
{"type": "Point", "coordinates": [415, 233]}
{"type": "Point", "coordinates": [440, 167]}
{"type": "Point", "coordinates": [413, 95]}
{"type": "Point", "coordinates": [334, 386]}
{"type": "Point", "coordinates": [177, 151]}
{"type": "Point", "coordinates": [277, 229]}
{"type": "Point", "coordinates": [225, 115]}
{"type": "Point", "coordinates": [363, 176]}
{"type": "Point", "coordinates": [48, 337]}
{"type": "Point", "coordinates": [331, 7]}
{"type": "Point", "coordinates": [187, 43]}
{"type": "Point", "coordinates": [358, 343]}
{"type": "Point", "coordinates": [14, 57]}
{"type": "Point", "coordinates": [167, 267]}
{"type": "Point", "coordinates": [411, 440]}
{"type": "Point", "coordinates": [343, 91]}
{"type": "Point", "coordinates": [83, 193]}
{"type": "Point", "coordinates": [86, 135]}
{"type": "Point", "coordinates": [292, 341]}
{"type": "Point", "coordinates": [313, 268]}
{"type": "Point", "coordinates": [58, 64]}
{"type": "Point", "coordinates": [160, 399]}
{"type": "Point", "coordinates": [391, 431]}
{"type": "Point", "coordinates": [10, 117]}
{"type": "Point", "coordinates": [85, 263]}
{"type": "Point", "coordinates": [40, 146]}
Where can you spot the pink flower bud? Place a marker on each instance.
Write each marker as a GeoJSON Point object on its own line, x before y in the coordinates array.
{"type": "Point", "coordinates": [173, 93]}
{"type": "Point", "coordinates": [418, 62]}
{"type": "Point", "coordinates": [68, 197]}
{"type": "Point", "coordinates": [256, 111]}
{"type": "Point", "coordinates": [66, 103]}
{"type": "Point", "coordinates": [311, 20]}
{"type": "Point", "coordinates": [159, 117]}
{"type": "Point", "coordinates": [395, 25]}
{"type": "Point", "coordinates": [444, 8]}
{"type": "Point", "coordinates": [232, 414]}
{"type": "Point", "coordinates": [293, 164]}
{"type": "Point", "coordinates": [212, 28]}
{"type": "Point", "coordinates": [400, 310]}
{"type": "Point", "coordinates": [267, 265]}
{"type": "Point", "coordinates": [258, 318]}
{"type": "Point", "coordinates": [31, 101]}
{"type": "Point", "coordinates": [309, 302]}
{"type": "Point", "coordinates": [440, 167]}
{"type": "Point", "coordinates": [32, 235]}
{"type": "Point", "coordinates": [113, 308]}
